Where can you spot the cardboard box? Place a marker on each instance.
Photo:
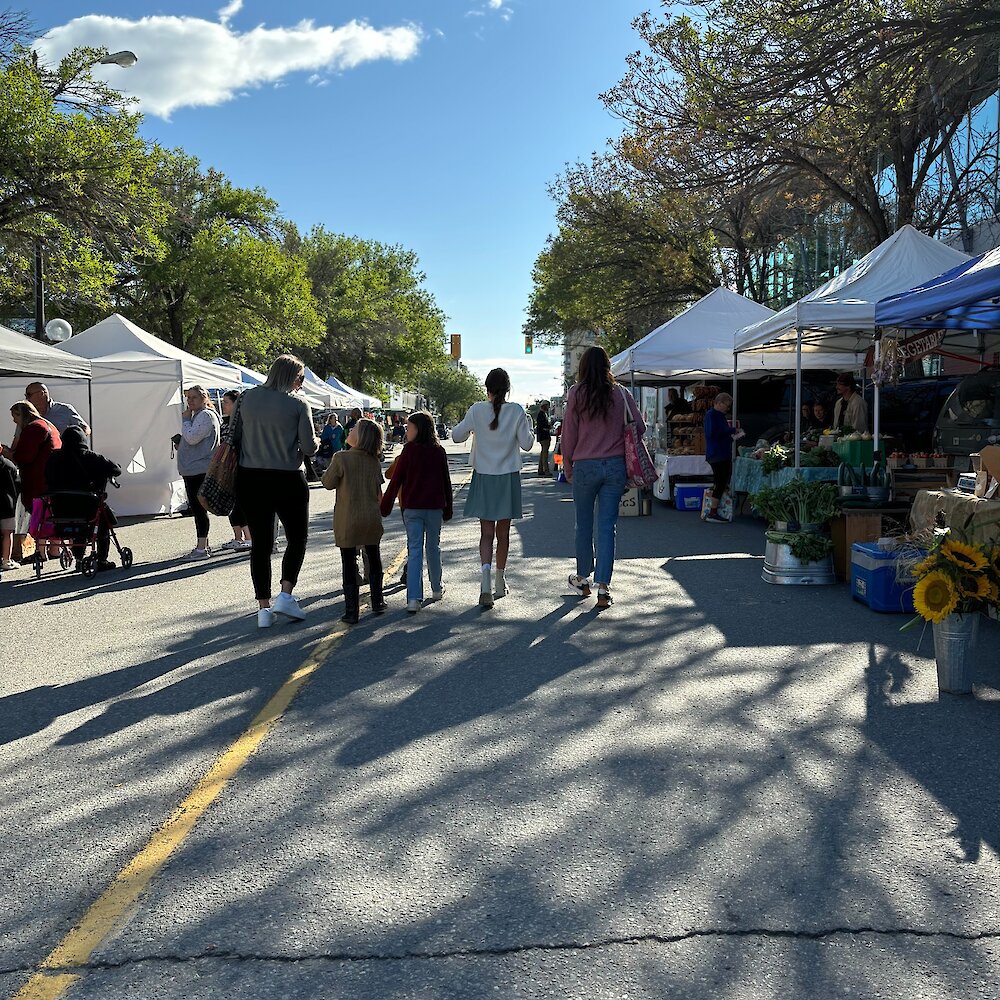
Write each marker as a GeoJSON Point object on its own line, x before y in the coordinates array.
{"type": "Point", "coordinates": [634, 503]}
{"type": "Point", "coordinates": [988, 473]}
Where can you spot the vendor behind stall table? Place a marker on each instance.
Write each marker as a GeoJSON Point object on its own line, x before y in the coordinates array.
{"type": "Point", "coordinates": [977, 520]}
{"type": "Point", "coordinates": [748, 475]}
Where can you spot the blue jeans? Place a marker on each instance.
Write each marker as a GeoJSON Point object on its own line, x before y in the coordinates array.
{"type": "Point", "coordinates": [599, 481]}
{"type": "Point", "coordinates": [422, 526]}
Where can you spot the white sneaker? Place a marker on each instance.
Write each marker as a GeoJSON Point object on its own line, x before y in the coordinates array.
{"type": "Point", "coordinates": [10, 564]}
{"type": "Point", "coordinates": [413, 607]}
{"type": "Point", "coordinates": [231, 546]}
{"type": "Point", "coordinates": [244, 546]}
{"type": "Point", "coordinates": [500, 590]}
{"type": "Point", "coordinates": [438, 595]}
{"type": "Point", "coordinates": [196, 554]}
{"type": "Point", "coordinates": [287, 605]}
{"type": "Point", "coordinates": [265, 618]}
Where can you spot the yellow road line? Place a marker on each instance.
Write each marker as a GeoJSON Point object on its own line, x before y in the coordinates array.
{"type": "Point", "coordinates": [46, 987]}
{"type": "Point", "coordinates": [116, 903]}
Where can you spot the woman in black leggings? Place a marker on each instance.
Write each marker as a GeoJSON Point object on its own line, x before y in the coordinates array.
{"type": "Point", "coordinates": [276, 436]}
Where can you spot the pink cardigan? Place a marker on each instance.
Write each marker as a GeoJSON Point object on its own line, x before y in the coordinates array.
{"type": "Point", "coordinates": [584, 436]}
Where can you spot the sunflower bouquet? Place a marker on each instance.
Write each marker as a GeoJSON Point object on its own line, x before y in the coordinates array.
{"type": "Point", "coordinates": [956, 577]}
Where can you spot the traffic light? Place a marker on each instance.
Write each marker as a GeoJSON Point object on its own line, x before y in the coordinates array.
{"type": "Point", "coordinates": [456, 347]}
{"type": "Point", "coordinates": [529, 344]}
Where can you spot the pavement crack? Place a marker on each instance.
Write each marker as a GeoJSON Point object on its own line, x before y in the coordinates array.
{"type": "Point", "coordinates": [213, 954]}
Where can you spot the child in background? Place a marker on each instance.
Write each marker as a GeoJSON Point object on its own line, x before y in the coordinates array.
{"type": "Point", "coordinates": [10, 488]}
{"type": "Point", "coordinates": [422, 480]}
{"type": "Point", "coordinates": [356, 475]}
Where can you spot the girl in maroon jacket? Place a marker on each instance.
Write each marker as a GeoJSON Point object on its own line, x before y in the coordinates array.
{"type": "Point", "coordinates": [423, 483]}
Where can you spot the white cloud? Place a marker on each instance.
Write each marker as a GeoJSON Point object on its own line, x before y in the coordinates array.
{"type": "Point", "coordinates": [192, 62]}
{"type": "Point", "coordinates": [233, 8]}
{"type": "Point", "coordinates": [492, 6]}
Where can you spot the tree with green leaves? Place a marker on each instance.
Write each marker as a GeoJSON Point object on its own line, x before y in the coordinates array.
{"type": "Point", "coordinates": [793, 94]}
{"type": "Point", "coordinates": [382, 326]}
{"type": "Point", "coordinates": [227, 283]}
{"type": "Point", "coordinates": [80, 182]}
{"type": "Point", "coordinates": [622, 261]}
{"type": "Point", "coordinates": [452, 389]}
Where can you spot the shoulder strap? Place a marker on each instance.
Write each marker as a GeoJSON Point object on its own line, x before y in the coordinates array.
{"type": "Point", "coordinates": [235, 426]}
{"type": "Point", "coordinates": [629, 419]}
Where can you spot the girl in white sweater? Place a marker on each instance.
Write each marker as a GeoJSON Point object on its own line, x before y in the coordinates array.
{"type": "Point", "coordinates": [502, 430]}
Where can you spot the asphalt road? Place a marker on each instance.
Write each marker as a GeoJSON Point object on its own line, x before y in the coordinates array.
{"type": "Point", "coordinates": [715, 789]}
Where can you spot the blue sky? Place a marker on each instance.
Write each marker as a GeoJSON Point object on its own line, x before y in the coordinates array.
{"type": "Point", "coordinates": [435, 124]}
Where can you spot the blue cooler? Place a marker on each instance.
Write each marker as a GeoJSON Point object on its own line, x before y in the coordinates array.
{"type": "Point", "coordinates": [873, 580]}
{"type": "Point", "coordinates": [688, 496]}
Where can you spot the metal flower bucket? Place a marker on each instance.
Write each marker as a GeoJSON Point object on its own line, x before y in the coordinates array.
{"type": "Point", "coordinates": [955, 652]}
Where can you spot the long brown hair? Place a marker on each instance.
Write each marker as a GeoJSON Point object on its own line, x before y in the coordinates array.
{"type": "Point", "coordinates": [497, 385]}
{"type": "Point", "coordinates": [424, 423]}
{"type": "Point", "coordinates": [595, 383]}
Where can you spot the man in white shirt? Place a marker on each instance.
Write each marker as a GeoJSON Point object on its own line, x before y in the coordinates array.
{"type": "Point", "coordinates": [850, 410]}
{"type": "Point", "coordinates": [62, 416]}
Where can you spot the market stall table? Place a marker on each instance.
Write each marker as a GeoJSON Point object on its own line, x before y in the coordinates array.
{"type": "Point", "coordinates": [749, 476]}
{"type": "Point", "coordinates": [976, 519]}
{"type": "Point", "coordinates": [684, 468]}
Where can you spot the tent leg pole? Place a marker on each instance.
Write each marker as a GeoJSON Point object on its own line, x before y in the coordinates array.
{"type": "Point", "coordinates": [90, 409]}
{"type": "Point", "coordinates": [798, 399]}
{"type": "Point", "coordinates": [876, 402]}
{"type": "Point", "coordinates": [736, 394]}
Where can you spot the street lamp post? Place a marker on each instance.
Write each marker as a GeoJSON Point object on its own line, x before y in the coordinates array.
{"type": "Point", "coordinates": [124, 58]}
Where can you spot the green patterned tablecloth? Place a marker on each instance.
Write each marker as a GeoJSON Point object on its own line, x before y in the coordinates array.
{"type": "Point", "coordinates": [748, 475]}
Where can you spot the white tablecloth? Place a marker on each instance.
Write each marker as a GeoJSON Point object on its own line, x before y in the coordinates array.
{"type": "Point", "coordinates": [671, 466]}
{"type": "Point", "coordinates": [686, 465]}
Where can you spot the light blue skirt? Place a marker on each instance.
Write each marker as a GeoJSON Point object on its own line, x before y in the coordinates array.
{"type": "Point", "coordinates": [494, 498]}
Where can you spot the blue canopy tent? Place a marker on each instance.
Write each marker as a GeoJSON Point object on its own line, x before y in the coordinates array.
{"type": "Point", "coordinates": [966, 298]}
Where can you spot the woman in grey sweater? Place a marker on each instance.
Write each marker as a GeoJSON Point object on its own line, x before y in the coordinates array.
{"type": "Point", "coordinates": [199, 439]}
{"type": "Point", "coordinates": [276, 436]}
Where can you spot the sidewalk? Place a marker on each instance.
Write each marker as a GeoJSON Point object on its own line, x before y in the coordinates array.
{"type": "Point", "coordinates": [714, 789]}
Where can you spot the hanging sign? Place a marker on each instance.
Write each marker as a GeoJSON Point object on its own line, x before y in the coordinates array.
{"type": "Point", "coordinates": [912, 348]}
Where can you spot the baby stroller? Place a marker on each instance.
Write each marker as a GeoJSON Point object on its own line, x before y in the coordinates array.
{"type": "Point", "coordinates": [74, 519]}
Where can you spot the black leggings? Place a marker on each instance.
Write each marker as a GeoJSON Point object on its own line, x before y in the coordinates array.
{"type": "Point", "coordinates": [237, 518]}
{"type": "Point", "coordinates": [349, 564]}
{"type": "Point", "coordinates": [201, 523]}
{"type": "Point", "coordinates": [722, 472]}
{"type": "Point", "coordinates": [265, 494]}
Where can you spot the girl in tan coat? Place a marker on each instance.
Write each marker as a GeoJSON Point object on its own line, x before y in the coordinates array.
{"type": "Point", "coordinates": [356, 475]}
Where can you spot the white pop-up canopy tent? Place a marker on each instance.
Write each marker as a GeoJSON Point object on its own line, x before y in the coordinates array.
{"type": "Point", "coordinates": [333, 398]}
{"type": "Point", "coordinates": [358, 398]}
{"type": "Point", "coordinates": [20, 355]}
{"type": "Point", "coordinates": [839, 316]}
{"type": "Point", "coordinates": [317, 400]}
{"type": "Point", "coordinates": [24, 360]}
{"type": "Point", "coordinates": [699, 343]}
{"type": "Point", "coordinates": [137, 380]}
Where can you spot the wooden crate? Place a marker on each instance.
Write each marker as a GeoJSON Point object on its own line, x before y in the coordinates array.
{"type": "Point", "coordinates": [851, 526]}
{"type": "Point", "coordinates": [909, 482]}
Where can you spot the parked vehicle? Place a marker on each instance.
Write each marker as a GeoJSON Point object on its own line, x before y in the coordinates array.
{"type": "Point", "coordinates": [910, 409]}
{"type": "Point", "coordinates": [970, 419]}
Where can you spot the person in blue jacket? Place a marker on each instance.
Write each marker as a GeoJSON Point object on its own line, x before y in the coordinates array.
{"type": "Point", "coordinates": [719, 437]}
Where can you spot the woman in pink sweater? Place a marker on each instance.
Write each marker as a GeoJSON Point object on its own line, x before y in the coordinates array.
{"type": "Point", "coordinates": [593, 451]}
